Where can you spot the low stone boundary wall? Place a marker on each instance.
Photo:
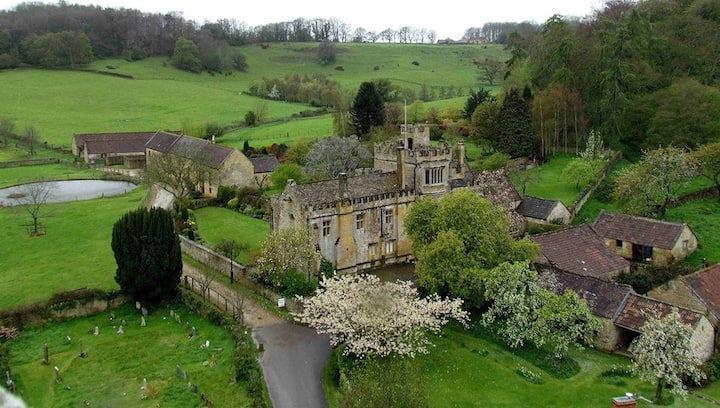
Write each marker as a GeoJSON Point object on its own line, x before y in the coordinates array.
{"type": "Point", "coordinates": [29, 162]}
{"type": "Point", "coordinates": [587, 193]}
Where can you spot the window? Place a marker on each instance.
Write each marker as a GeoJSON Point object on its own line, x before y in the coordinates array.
{"type": "Point", "coordinates": [373, 249]}
{"type": "Point", "coordinates": [325, 228]}
{"type": "Point", "coordinates": [388, 216]}
{"type": "Point", "coordinates": [359, 221]}
{"type": "Point", "coordinates": [618, 243]}
{"type": "Point", "coordinates": [434, 175]}
{"type": "Point", "coordinates": [389, 247]}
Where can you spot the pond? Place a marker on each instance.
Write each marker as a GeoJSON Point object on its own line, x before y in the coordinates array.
{"type": "Point", "coordinates": [62, 191]}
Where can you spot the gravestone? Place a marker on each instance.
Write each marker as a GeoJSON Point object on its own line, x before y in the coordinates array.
{"type": "Point", "coordinates": [112, 315]}
{"type": "Point", "coordinates": [58, 377]}
{"type": "Point", "coordinates": [82, 352]}
{"type": "Point", "coordinates": [137, 305]}
{"type": "Point", "coordinates": [68, 340]}
{"type": "Point", "coordinates": [144, 384]}
{"type": "Point", "coordinates": [120, 329]}
{"type": "Point", "coordinates": [194, 388]}
{"type": "Point", "coordinates": [193, 332]}
{"type": "Point", "coordinates": [96, 331]}
{"type": "Point", "coordinates": [144, 312]}
{"type": "Point", "coordinates": [9, 383]}
{"type": "Point", "coordinates": [180, 372]}
{"type": "Point", "coordinates": [142, 321]}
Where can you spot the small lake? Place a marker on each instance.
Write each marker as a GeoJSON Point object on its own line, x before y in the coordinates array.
{"type": "Point", "coordinates": [62, 191]}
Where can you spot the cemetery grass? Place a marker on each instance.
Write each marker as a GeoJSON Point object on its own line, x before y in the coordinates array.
{"type": "Point", "coordinates": [112, 372]}
{"type": "Point", "coordinates": [217, 224]}
{"type": "Point", "coordinates": [62, 103]}
{"type": "Point", "coordinates": [74, 252]}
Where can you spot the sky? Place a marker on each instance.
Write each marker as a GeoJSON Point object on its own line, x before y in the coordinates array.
{"type": "Point", "coordinates": [448, 18]}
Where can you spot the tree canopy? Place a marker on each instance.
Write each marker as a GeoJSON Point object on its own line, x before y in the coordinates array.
{"type": "Point", "coordinates": [147, 253]}
{"type": "Point", "coordinates": [330, 156]}
{"type": "Point", "coordinates": [457, 239]}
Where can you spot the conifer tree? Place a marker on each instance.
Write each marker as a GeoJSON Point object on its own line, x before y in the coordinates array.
{"type": "Point", "coordinates": [368, 109]}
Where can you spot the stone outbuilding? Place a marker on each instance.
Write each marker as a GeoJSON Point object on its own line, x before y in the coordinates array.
{"type": "Point", "coordinates": [263, 167]}
{"type": "Point", "coordinates": [544, 211]}
{"type": "Point", "coordinates": [579, 250]}
{"type": "Point", "coordinates": [231, 166]}
{"type": "Point", "coordinates": [646, 240]}
{"type": "Point", "coordinates": [126, 148]}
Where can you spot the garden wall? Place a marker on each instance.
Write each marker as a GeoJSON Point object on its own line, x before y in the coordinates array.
{"type": "Point", "coordinates": [587, 193]}
{"type": "Point", "coordinates": [30, 162]}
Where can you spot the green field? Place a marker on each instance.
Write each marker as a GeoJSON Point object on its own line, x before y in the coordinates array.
{"type": "Point", "coordinates": [548, 181]}
{"type": "Point", "coordinates": [62, 103]}
{"type": "Point", "coordinates": [470, 370]}
{"type": "Point", "coordinates": [112, 372]}
{"type": "Point", "coordinates": [10, 176]}
{"type": "Point", "coordinates": [217, 224]}
{"type": "Point", "coordinates": [74, 252]}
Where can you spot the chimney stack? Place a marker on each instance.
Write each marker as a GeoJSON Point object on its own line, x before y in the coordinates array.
{"type": "Point", "coordinates": [343, 184]}
{"type": "Point", "coordinates": [461, 158]}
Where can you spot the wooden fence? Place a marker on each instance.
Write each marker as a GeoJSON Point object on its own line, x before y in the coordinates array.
{"type": "Point", "coordinates": [232, 307]}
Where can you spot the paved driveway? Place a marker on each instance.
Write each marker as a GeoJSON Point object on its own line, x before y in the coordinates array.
{"type": "Point", "coordinates": [293, 363]}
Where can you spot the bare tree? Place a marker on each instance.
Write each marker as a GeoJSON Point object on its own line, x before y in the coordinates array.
{"type": "Point", "coordinates": [7, 127]}
{"type": "Point", "coordinates": [490, 69]}
{"type": "Point", "coordinates": [33, 197]}
{"type": "Point", "coordinates": [205, 280]}
{"type": "Point", "coordinates": [176, 174]}
{"type": "Point", "coordinates": [31, 140]}
{"type": "Point", "coordinates": [237, 300]}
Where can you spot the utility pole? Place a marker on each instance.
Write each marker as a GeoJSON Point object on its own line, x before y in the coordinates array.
{"type": "Point", "coordinates": [232, 275]}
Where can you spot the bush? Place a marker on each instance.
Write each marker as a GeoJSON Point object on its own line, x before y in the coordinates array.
{"type": "Point", "coordinates": [233, 203]}
{"type": "Point", "coordinates": [225, 194]}
{"type": "Point", "coordinates": [295, 284]}
{"type": "Point", "coordinates": [711, 369]}
{"type": "Point", "coordinates": [4, 357]}
{"type": "Point", "coordinates": [250, 118]}
{"type": "Point", "coordinates": [339, 68]}
{"type": "Point", "coordinates": [415, 63]}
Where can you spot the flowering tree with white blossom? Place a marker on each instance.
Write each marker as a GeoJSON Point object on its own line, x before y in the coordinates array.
{"type": "Point", "coordinates": [377, 318]}
{"type": "Point", "coordinates": [664, 353]}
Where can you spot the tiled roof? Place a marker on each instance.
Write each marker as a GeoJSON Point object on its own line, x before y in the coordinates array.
{"type": "Point", "coordinates": [538, 208]}
{"type": "Point", "coordinates": [264, 164]}
{"type": "Point", "coordinates": [604, 298]}
{"type": "Point", "coordinates": [123, 142]}
{"type": "Point", "coordinates": [634, 313]}
{"type": "Point", "coordinates": [706, 284]}
{"type": "Point", "coordinates": [579, 250]}
{"type": "Point", "coordinates": [497, 187]}
{"type": "Point", "coordinates": [638, 230]}
{"type": "Point", "coordinates": [191, 148]}
{"type": "Point", "coordinates": [365, 185]}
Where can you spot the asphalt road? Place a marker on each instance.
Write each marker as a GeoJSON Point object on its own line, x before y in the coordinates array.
{"type": "Point", "coordinates": [293, 363]}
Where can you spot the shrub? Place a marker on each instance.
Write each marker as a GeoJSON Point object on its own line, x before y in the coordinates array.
{"type": "Point", "coordinates": [376, 68]}
{"type": "Point", "coordinates": [233, 203]}
{"type": "Point", "coordinates": [4, 357]}
{"type": "Point", "coordinates": [339, 68]}
{"type": "Point", "coordinates": [292, 283]}
{"type": "Point", "coordinates": [225, 194]}
{"type": "Point", "coordinates": [250, 118]}
{"type": "Point", "coordinates": [711, 369]}
{"type": "Point", "coordinates": [415, 63]}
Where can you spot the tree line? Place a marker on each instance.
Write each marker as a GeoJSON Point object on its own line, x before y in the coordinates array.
{"type": "Point", "coordinates": [58, 35]}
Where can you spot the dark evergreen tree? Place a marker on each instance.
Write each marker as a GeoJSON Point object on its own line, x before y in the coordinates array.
{"type": "Point", "coordinates": [474, 100]}
{"type": "Point", "coordinates": [515, 135]}
{"type": "Point", "coordinates": [368, 109]}
{"type": "Point", "coordinates": [147, 252]}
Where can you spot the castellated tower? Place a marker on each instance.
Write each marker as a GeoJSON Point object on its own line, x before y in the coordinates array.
{"type": "Point", "coordinates": [420, 167]}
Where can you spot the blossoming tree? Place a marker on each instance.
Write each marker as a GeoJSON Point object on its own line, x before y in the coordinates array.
{"type": "Point", "coordinates": [377, 318]}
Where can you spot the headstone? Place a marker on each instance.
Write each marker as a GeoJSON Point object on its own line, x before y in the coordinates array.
{"type": "Point", "coordinates": [144, 312]}
{"type": "Point", "coordinates": [123, 322]}
{"type": "Point", "coordinates": [137, 305]}
{"type": "Point", "coordinates": [96, 331]}
{"type": "Point", "coordinates": [9, 383]}
{"type": "Point", "coordinates": [193, 332]}
{"type": "Point", "coordinates": [68, 340]}
{"type": "Point", "coordinates": [58, 377]}
{"type": "Point", "coordinates": [144, 384]}
{"type": "Point", "coordinates": [207, 343]}
{"type": "Point", "coordinates": [120, 329]}
{"type": "Point", "coordinates": [46, 354]}
{"type": "Point", "coordinates": [142, 321]}
{"type": "Point", "coordinates": [82, 352]}
{"type": "Point", "coordinates": [194, 388]}
{"type": "Point", "coordinates": [281, 302]}
{"type": "Point", "coordinates": [112, 315]}
{"type": "Point", "coordinates": [180, 372]}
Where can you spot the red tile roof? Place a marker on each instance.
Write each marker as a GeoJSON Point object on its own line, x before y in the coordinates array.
{"type": "Point", "coordinates": [579, 250]}
{"type": "Point", "coordinates": [634, 313]}
{"type": "Point", "coordinates": [638, 230]}
{"type": "Point", "coordinates": [706, 284]}
{"type": "Point", "coordinates": [122, 142]}
{"type": "Point", "coordinates": [604, 298]}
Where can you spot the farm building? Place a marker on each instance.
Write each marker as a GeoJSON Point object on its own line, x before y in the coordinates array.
{"type": "Point", "coordinates": [544, 211]}
{"type": "Point", "coordinates": [646, 240]}
{"type": "Point", "coordinates": [112, 148]}
{"type": "Point", "coordinates": [579, 250]}
{"type": "Point", "coordinates": [231, 166]}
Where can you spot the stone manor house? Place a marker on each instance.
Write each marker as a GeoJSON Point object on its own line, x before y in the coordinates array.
{"type": "Point", "coordinates": [357, 220]}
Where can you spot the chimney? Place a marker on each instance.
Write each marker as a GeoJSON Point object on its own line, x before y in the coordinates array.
{"type": "Point", "coordinates": [343, 184]}
{"type": "Point", "coordinates": [401, 167]}
{"type": "Point", "coordinates": [461, 158]}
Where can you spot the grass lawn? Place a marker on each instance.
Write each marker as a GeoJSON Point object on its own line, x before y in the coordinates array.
{"type": "Point", "coordinates": [75, 251]}
{"type": "Point", "coordinates": [465, 370]}
{"type": "Point", "coordinates": [112, 372]}
{"type": "Point", "coordinates": [703, 216]}
{"type": "Point", "coordinates": [548, 181]}
{"type": "Point", "coordinates": [10, 176]}
{"type": "Point", "coordinates": [216, 224]}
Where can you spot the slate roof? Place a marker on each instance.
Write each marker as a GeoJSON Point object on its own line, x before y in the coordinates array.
{"type": "Point", "coordinates": [579, 250]}
{"type": "Point", "coordinates": [191, 148]}
{"type": "Point", "coordinates": [706, 285]}
{"type": "Point", "coordinates": [604, 298]}
{"type": "Point", "coordinates": [638, 230]}
{"type": "Point", "coordinates": [264, 164]}
{"type": "Point", "coordinates": [633, 314]}
{"type": "Point", "coordinates": [104, 143]}
{"type": "Point", "coordinates": [538, 208]}
{"type": "Point", "coordinates": [364, 185]}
